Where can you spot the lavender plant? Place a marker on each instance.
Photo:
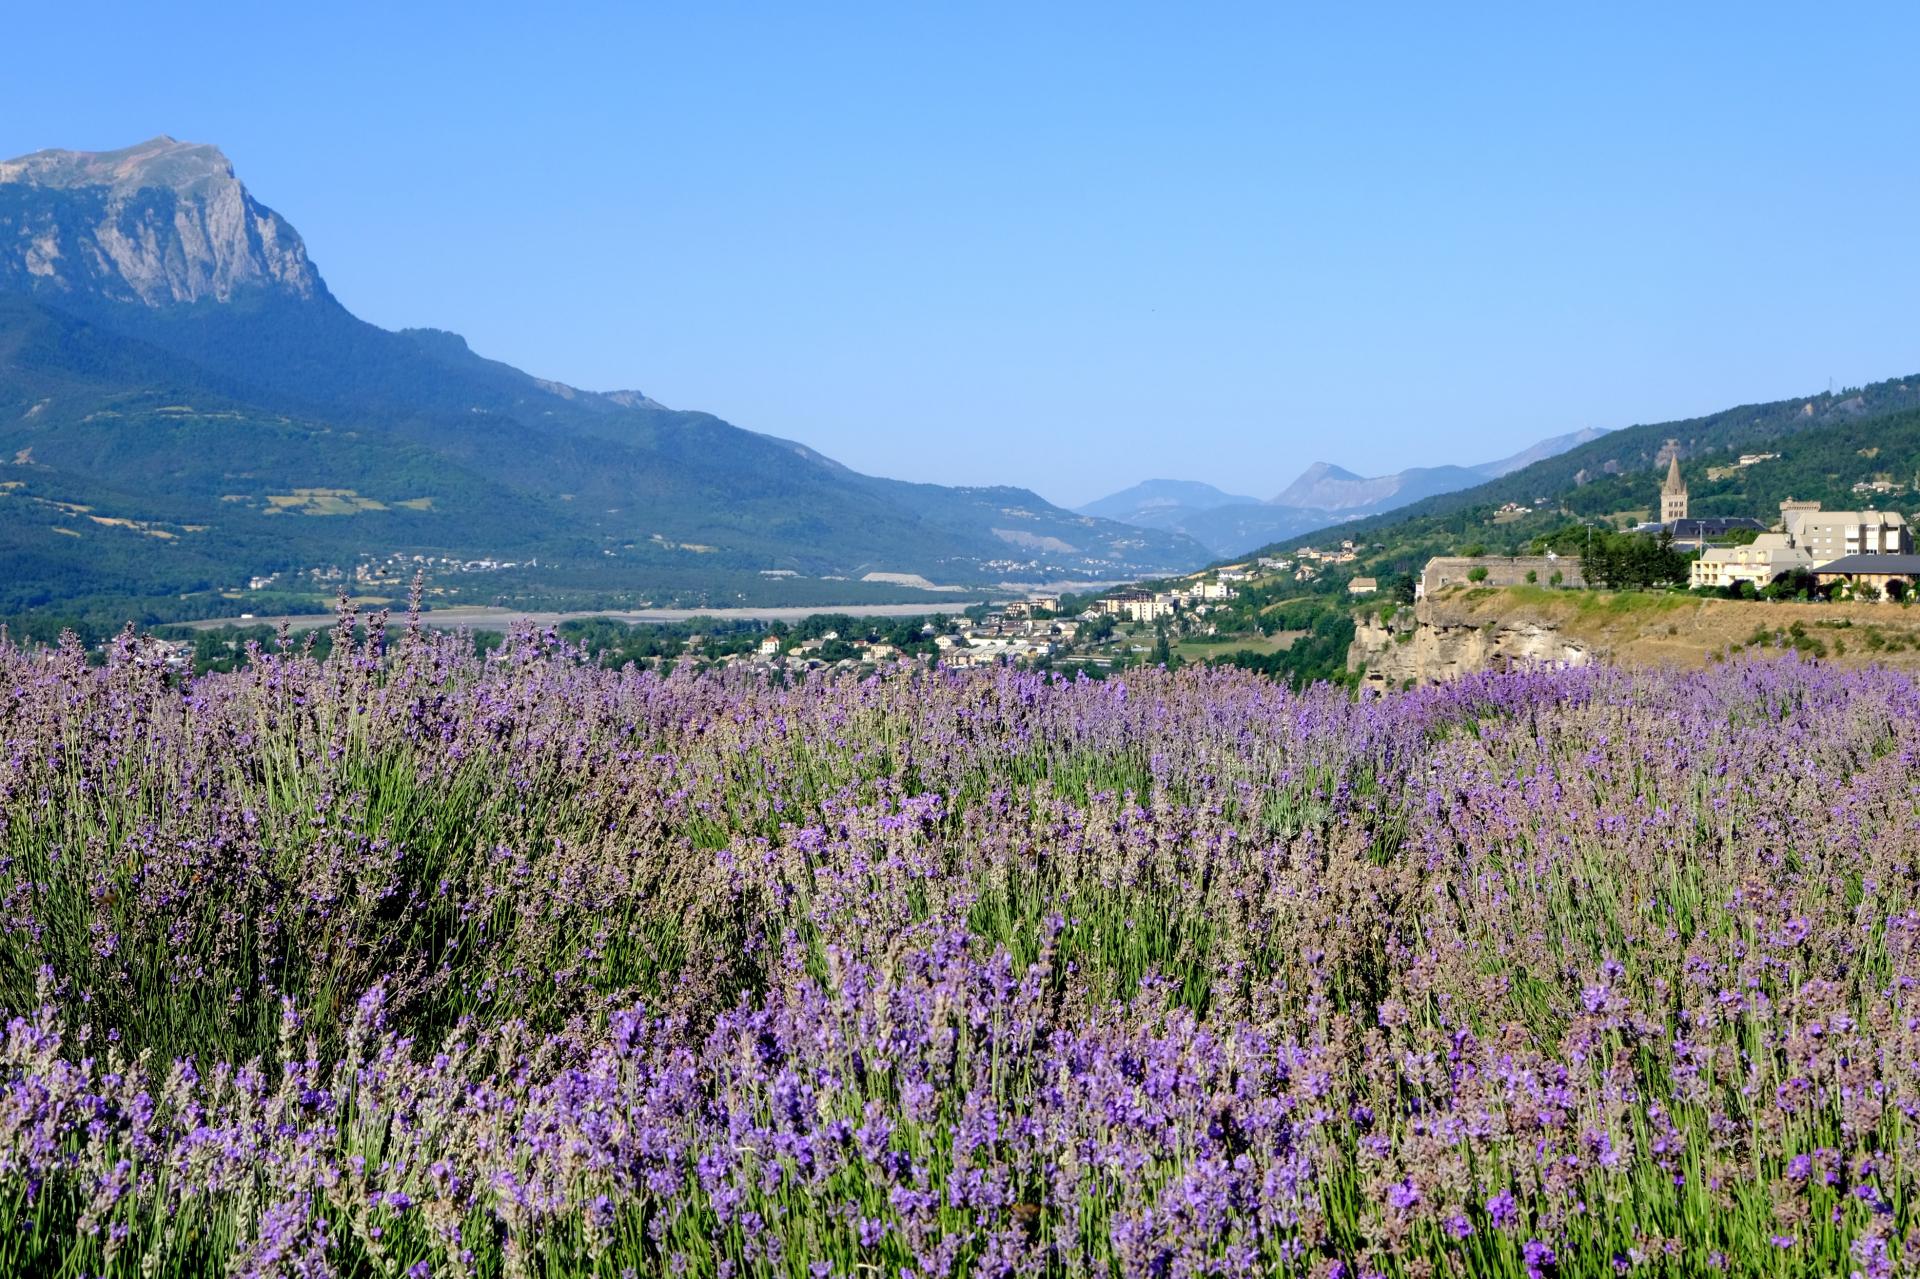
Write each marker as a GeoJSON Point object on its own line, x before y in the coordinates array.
{"type": "Point", "coordinates": [419, 962]}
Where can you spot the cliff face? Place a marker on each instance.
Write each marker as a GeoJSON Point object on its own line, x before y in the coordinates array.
{"type": "Point", "coordinates": [160, 223]}
{"type": "Point", "coordinates": [1437, 640]}
{"type": "Point", "coordinates": [1460, 631]}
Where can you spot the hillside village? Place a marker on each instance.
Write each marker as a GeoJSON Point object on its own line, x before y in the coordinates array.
{"type": "Point", "coordinates": [1295, 613]}
{"type": "Point", "coordinates": [1852, 554]}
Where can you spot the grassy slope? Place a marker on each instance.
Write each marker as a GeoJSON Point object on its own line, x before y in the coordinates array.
{"type": "Point", "coordinates": [1672, 629]}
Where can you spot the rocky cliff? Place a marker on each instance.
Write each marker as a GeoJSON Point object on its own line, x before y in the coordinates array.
{"type": "Point", "coordinates": [1439, 639]}
{"type": "Point", "coordinates": [159, 223]}
{"type": "Point", "coordinates": [1460, 631]}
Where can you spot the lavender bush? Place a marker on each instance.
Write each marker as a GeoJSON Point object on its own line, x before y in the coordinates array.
{"type": "Point", "coordinates": [413, 962]}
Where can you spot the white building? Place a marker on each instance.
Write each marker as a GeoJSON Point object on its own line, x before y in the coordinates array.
{"type": "Point", "coordinates": [1769, 555]}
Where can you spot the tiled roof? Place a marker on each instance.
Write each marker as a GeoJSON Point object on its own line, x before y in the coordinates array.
{"type": "Point", "coordinates": [1909, 564]}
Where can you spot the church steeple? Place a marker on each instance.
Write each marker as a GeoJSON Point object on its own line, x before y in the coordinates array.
{"type": "Point", "coordinates": [1673, 494]}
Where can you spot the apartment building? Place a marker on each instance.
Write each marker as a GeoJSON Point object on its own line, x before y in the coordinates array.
{"type": "Point", "coordinates": [1766, 558]}
{"type": "Point", "coordinates": [1831, 535]}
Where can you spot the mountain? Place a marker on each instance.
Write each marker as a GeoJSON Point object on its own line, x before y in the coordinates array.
{"type": "Point", "coordinates": [162, 222]}
{"type": "Point", "coordinates": [1149, 501]}
{"type": "Point", "coordinates": [185, 406]}
{"type": "Point", "coordinates": [1322, 495]}
{"type": "Point", "coordinates": [1324, 487]}
{"type": "Point", "coordinates": [1553, 446]}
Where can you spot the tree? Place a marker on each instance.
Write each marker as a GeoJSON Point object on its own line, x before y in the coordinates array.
{"type": "Point", "coordinates": [1795, 584]}
{"type": "Point", "coordinates": [1633, 561]}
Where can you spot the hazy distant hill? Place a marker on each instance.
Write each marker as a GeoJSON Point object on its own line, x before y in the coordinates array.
{"type": "Point", "coordinates": [1325, 487]}
{"type": "Point", "coordinates": [184, 404]}
{"type": "Point", "coordinates": [1322, 495]}
{"type": "Point", "coordinates": [1145, 501]}
{"type": "Point", "coordinates": [1553, 446]}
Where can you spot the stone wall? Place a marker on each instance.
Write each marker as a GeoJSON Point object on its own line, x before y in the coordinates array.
{"type": "Point", "coordinates": [1502, 570]}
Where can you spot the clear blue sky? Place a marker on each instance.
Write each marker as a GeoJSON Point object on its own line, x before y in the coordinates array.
{"type": "Point", "coordinates": [1071, 246]}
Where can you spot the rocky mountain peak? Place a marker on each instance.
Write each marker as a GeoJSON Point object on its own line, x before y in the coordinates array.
{"type": "Point", "coordinates": [158, 162]}
{"type": "Point", "coordinates": [159, 223]}
{"type": "Point", "coordinates": [1322, 485]}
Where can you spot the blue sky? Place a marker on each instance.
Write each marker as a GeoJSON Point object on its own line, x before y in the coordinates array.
{"type": "Point", "coordinates": [1072, 246]}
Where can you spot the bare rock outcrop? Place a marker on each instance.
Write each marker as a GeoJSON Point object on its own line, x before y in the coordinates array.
{"type": "Point", "coordinates": [160, 223]}
{"type": "Point", "coordinates": [1436, 640]}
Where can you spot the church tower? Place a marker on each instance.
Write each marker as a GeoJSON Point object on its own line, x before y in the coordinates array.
{"type": "Point", "coordinates": [1673, 494]}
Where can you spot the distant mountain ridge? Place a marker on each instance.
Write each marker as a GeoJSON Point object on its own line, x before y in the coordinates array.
{"type": "Point", "coordinates": [186, 406]}
{"type": "Point", "coordinates": [1324, 487]}
{"type": "Point", "coordinates": [1131, 505]}
{"type": "Point", "coordinates": [1553, 446]}
{"type": "Point", "coordinates": [1321, 496]}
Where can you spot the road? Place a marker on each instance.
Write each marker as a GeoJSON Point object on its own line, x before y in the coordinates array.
{"type": "Point", "coordinates": [499, 619]}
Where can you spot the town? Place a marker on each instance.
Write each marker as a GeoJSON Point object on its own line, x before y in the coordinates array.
{"type": "Point", "coordinates": [1291, 614]}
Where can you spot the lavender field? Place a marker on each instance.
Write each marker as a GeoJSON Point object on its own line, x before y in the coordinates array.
{"type": "Point", "coordinates": [413, 962]}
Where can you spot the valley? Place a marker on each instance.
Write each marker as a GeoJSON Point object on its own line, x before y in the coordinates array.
{"type": "Point", "coordinates": [173, 368]}
{"type": "Point", "coordinates": [502, 619]}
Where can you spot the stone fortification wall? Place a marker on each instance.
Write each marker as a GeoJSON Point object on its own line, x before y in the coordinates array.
{"type": "Point", "coordinates": [1501, 570]}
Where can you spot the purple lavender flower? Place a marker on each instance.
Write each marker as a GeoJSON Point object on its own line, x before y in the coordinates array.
{"type": "Point", "coordinates": [944, 970]}
{"type": "Point", "coordinates": [1502, 1210]}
